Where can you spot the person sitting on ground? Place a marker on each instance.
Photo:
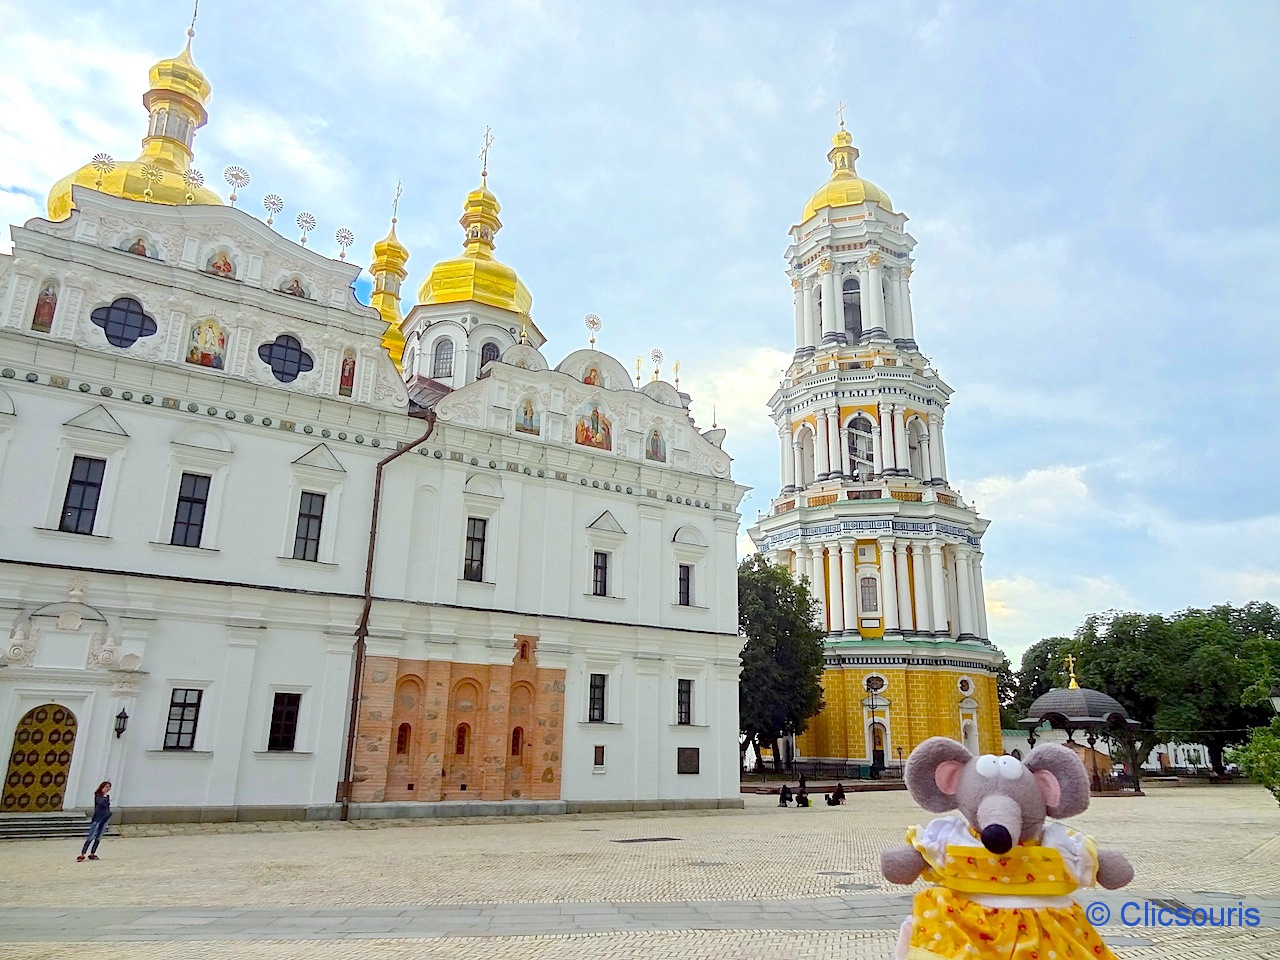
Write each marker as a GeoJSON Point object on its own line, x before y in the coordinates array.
{"type": "Point", "coordinates": [831, 799]}
{"type": "Point", "coordinates": [838, 794]}
{"type": "Point", "coordinates": [784, 796]}
{"type": "Point", "coordinates": [802, 798]}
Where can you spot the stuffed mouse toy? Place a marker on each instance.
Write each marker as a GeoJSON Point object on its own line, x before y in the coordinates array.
{"type": "Point", "coordinates": [1003, 876]}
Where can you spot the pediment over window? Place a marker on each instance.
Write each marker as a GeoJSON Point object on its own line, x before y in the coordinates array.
{"type": "Point", "coordinates": [6, 404]}
{"type": "Point", "coordinates": [690, 535]}
{"type": "Point", "coordinates": [322, 457]}
{"type": "Point", "coordinates": [605, 523]}
{"type": "Point", "coordinates": [204, 436]}
{"type": "Point", "coordinates": [97, 418]}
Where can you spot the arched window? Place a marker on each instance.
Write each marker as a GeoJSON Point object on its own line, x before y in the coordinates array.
{"type": "Point", "coordinates": [488, 352]}
{"type": "Point", "coordinates": [442, 359]}
{"type": "Point", "coordinates": [524, 650]}
{"type": "Point", "coordinates": [852, 309]}
{"type": "Point", "coordinates": [915, 449]}
{"type": "Point", "coordinates": [870, 595]}
{"type": "Point", "coordinates": [462, 740]}
{"type": "Point", "coordinates": [402, 738]}
{"type": "Point", "coordinates": [517, 741]}
{"type": "Point", "coordinates": [861, 459]}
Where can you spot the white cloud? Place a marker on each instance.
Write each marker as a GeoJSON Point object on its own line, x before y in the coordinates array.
{"type": "Point", "coordinates": [1022, 610]}
{"type": "Point", "coordinates": [1051, 496]}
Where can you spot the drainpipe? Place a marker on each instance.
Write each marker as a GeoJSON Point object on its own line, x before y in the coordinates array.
{"type": "Point", "coordinates": [362, 630]}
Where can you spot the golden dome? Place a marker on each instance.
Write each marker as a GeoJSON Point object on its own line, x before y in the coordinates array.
{"type": "Point", "coordinates": [845, 188]}
{"type": "Point", "coordinates": [162, 172]}
{"type": "Point", "coordinates": [476, 275]}
{"type": "Point", "coordinates": [389, 258]}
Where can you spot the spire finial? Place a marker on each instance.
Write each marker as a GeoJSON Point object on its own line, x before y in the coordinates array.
{"type": "Point", "coordinates": [484, 153]}
{"type": "Point", "coordinates": [191, 30]}
{"type": "Point", "coordinates": [395, 202]}
{"type": "Point", "coordinates": [1070, 661]}
{"type": "Point", "coordinates": [713, 417]}
{"type": "Point", "coordinates": [839, 110]}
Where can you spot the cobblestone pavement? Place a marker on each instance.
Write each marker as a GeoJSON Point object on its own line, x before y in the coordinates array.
{"type": "Point", "coordinates": [762, 882]}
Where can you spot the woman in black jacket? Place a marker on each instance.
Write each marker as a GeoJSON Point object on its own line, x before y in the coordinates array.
{"type": "Point", "coordinates": [98, 825]}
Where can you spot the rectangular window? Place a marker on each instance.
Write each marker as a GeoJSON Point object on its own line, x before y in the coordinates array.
{"type": "Point", "coordinates": [596, 709]}
{"type": "Point", "coordinates": [306, 542]}
{"type": "Point", "coordinates": [600, 574]}
{"type": "Point", "coordinates": [184, 711]}
{"type": "Point", "coordinates": [684, 702]}
{"type": "Point", "coordinates": [473, 565]}
{"type": "Point", "coordinates": [598, 759]}
{"type": "Point", "coordinates": [686, 585]}
{"type": "Point", "coordinates": [80, 507]}
{"type": "Point", "coordinates": [870, 595]}
{"type": "Point", "coordinates": [188, 519]}
{"type": "Point", "coordinates": [284, 721]}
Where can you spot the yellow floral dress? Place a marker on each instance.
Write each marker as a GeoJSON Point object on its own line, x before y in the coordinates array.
{"type": "Point", "coordinates": [1015, 906]}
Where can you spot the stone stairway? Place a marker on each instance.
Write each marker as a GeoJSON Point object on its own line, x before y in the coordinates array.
{"type": "Point", "coordinates": [43, 826]}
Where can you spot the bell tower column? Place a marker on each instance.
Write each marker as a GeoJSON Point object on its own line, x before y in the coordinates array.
{"type": "Point", "coordinates": [835, 595]}
{"type": "Point", "coordinates": [877, 460]}
{"type": "Point", "coordinates": [936, 452]}
{"type": "Point", "coordinates": [907, 326]}
{"type": "Point", "coordinates": [901, 456]}
{"type": "Point", "coordinates": [788, 461]}
{"type": "Point", "coordinates": [904, 587]}
{"type": "Point", "coordinates": [797, 459]}
{"type": "Point", "coordinates": [830, 330]}
{"type": "Point", "coordinates": [821, 447]}
{"type": "Point", "coordinates": [798, 296]}
{"type": "Point", "coordinates": [875, 292]}
{"type": "Point", "coordinates": [848, 557]}
{"type": "Point", "coordinates": [937, 586]}
{"type": "Point", "coordinates": [833, 443]}
{"type": "Point", "coordinates": [888, 586]}
{"type": "Point", "coordinates": [920, 578]}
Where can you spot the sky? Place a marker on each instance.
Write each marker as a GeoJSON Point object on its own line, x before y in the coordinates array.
{"type": "Point", "coordinates": [1093, 187]}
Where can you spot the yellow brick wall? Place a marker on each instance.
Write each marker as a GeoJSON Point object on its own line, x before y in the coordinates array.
{"type": "Point", "coordinates": [923, 703]}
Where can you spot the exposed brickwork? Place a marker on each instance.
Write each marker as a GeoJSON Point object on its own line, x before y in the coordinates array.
{"type": "Point", "coordinates": [430, 700]}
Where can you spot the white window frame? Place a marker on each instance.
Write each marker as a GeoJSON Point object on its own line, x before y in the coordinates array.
{"type": "Point", "coordinates": [487, 507]}
{"type": "Point", "coordinates": [613, 544]}
{"type": "Point", "coordinates": [80, 442]}
{"type": "Point", "coordinates": [311, 479]}
{"type": "Point", "coordinates": [693, 555]}
{"type": "Point", "coordinates": [203, 460]}
{"type": "Point", "coordinates": [612, 692]}
{"type": "Point", "coordinates": [303, 742]}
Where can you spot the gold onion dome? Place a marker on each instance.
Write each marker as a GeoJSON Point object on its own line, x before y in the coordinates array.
{"type": "Point", "coordinates": [389, 258]}
{"type": "Point", "coordinates": [845, 188]}
{"type": "Point", "coordinates": [162, 173]}
{"type": "Point", "coordinates": [476, 275]}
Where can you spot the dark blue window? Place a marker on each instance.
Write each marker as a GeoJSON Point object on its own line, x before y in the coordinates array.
{"type": "Point", "coordinates": [286, 358]}
{"type": "Point", "coordinates": [124, 322]}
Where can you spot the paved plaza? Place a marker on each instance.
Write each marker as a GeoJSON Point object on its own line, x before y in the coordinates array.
{"type": "Point", "coordinates": [761, 882]}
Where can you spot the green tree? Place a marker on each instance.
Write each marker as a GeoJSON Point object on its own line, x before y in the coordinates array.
{"type": "Point", "coordinates": [1042, 670]}
{"type": "Point", "coordinates": [780, 688]}
{"type": "Point", "coordinates": [1260, 757]}
{"type": "Point", "coordinates": [1006, 693]}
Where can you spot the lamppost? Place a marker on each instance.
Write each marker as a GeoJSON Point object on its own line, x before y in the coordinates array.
{"type": "Point", "coordinates": [899, 760]}
{"type": "Point", "coordinates": [122, 722]}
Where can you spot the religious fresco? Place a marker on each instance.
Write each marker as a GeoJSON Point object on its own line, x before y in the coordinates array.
{"type": "Point", "coordinates": [221, 265]}
{"type": "Point", "coordinates": [208, 346]}
{"type": "Point", "coordinates": [594, 428]}
{"type": "Point", "coordinates": [46, 304]}
{"type": "Point", "coordinates": [528, 420]}
{"type": "Point", "coordinates": [347, 373]}
{"type": "Point", "coordinates": [593, 377]}
{"type": "Point", "coordinates": [138, 247]}
{"type": "Point", "coordinates": [655, 448]}
{"type": "Point", "coordinates": [294, 288]}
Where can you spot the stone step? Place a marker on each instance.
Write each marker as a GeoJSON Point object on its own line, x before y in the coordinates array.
{"type": "Point", "coordinates": [41, 826]}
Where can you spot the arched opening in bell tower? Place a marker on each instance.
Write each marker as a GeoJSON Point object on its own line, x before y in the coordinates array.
{"type": "Point", "coordinates": [861, 459]}
{"type": "Point", "coordinates": [852, 309]}
{"type": "Point", "coordinates": [915, 448]}
{"type": "Point", "coordinates": [807, 465]}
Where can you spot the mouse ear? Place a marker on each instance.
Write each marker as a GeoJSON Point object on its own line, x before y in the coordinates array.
{"type": "Point", "coordinates": [933, 773]}
{"type": "Point", "coordinates": [1062, 779]}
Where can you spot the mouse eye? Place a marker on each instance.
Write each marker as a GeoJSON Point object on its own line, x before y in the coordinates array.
{"type": "Point", "coordinates": [988, 766]}
{"type": "Point", "coordinates": [1009, 767]}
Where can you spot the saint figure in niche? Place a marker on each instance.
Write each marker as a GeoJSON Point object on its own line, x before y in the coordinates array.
{"type": "Point", "coordinates": [221, 264]}
{"type": "Point", "coordinates": [592, 377]}
{"type": "Point", "coordinates": [138, 248]}
{"type": "Point", "coordinates": [294, 288]}
{"type": "Point", "coordinates": [347, 377]}
{"type": "Point", "coordinates": [594, 428]}
{"type": "Point", "coordinates": [528, 421]}
{"type": "Point", "coordinates": [656, 448]}
{"type": "Point", "coordinates": [46, 304]}
{"type": "Point", "coordinates": [208, 345]}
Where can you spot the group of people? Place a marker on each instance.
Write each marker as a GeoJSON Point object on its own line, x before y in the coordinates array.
{"type": "Point", "coordinates": [801, 795]}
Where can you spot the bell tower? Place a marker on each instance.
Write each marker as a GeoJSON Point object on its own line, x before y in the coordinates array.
{"type": "Point", "coordinates": [865, 509]}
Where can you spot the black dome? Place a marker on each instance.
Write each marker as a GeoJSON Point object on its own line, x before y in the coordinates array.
{"type": "Point", "coordinates": [1077, 706]}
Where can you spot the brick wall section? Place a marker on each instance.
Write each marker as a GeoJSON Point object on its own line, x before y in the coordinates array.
{"type": "Point", "coordinates": [433, 697]}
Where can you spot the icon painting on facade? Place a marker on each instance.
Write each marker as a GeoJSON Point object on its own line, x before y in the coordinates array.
{"type": "Point", "coordinates": [46, 304]}
{"type": "Point", "coordinates": [655, 447]}
{"type": "Point", "coordinates": [528, 419]}
{"type": "Point", "coordinates": [221, 265]}
{"type": "Point", "coordinates": [594, 428]}
{"type": "Point", "coordinates": [593, 377]}
{"type": "Point", "coordinates": [138, 247]}
{"type": "Point", "coordinates": [347, 374]}
{"type": "Point", "coordinates": [294, 288]}
{"type": "Point", "coordinates": [208, 345]}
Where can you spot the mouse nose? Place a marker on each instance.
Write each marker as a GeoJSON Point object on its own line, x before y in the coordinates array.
{"type": "Point", "coordinates": [996, 838]}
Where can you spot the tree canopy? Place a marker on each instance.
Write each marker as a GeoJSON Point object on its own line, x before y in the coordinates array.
{"type": "Point", "coordinates": [780, 688]}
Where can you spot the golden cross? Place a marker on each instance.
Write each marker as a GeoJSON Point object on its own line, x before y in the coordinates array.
{"type": "Point", "coordinates": [1070, 661]}
{"type": "Point", "coordinates": [395, 202]}
{"type": "Point", "coordinates": [840, 113]}
{"type": "Point", "coordinates": [194, 13]}
{"type": "Point", "coordinates": [484, 153]}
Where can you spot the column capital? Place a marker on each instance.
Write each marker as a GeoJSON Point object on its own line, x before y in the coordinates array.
{"type": "Point", "coordinates": [873, 259]}
{"type": "Point", "coordinates": [901, 546]}
{"type": "Point", "coordinates": [824, 265]}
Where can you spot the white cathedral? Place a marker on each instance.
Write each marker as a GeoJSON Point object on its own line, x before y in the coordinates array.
{"type": "Point", "coordinates": [266, 551]}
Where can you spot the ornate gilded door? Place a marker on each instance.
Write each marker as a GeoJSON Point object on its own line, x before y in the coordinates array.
{"type": "Point", "coordinates": [40, 760]}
